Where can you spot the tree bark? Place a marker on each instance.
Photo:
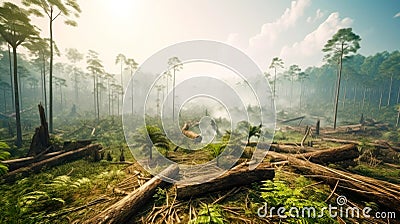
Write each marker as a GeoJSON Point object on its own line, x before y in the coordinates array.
{"type": "Point", "coordinates": [51, 72]}
{"type": "Point", "coordinates": [332, 155]}
{"type": "Point", "coordinates": [16, 99]}
{"type": "Point", "coordinates": [11, 76]}
{"type": "Point", "coordinates": [41, 138]}
{"type": "Point", "coordinates": [382, 144]}
{"type": "Point", "coordinates": [14, 164]}
{"type": "Point", "coordinates": [338, 87]}
{"type": "Point", "coordinates": [121, 211]}
{"type": "Point", "coordinates": [238, 176]}
{"type": "Point", "coordinates": [90, 150]}
{"type": "Point", "coordinates": [390, 90]}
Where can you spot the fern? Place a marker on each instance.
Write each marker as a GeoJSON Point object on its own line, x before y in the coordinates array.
{"type": "Point", "coordinates": [209, 214]}
{"type": "Point", "coordinates": [279, 194]}
{"type": "Point", "coordinates": [3, 156]}
{"type": "Point", "coordinates": [38, 201]}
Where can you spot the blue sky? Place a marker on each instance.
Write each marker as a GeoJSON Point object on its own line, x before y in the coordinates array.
{"type": "Point", "coordinates": [293, 30]}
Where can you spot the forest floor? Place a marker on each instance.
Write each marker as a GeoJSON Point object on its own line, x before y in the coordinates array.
{"type": "Point", "coordinates": [76, 191]}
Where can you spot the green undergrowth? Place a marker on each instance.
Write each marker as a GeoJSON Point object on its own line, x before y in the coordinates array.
{"type": "Point", "coordinates": [36, 198]}
{"type": "Point", "coordinates": [380, 172]}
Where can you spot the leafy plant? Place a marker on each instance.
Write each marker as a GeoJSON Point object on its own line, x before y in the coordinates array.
{"type": "Point", "coordinates": [39, 201]}
{"type": "Point", "coordinates": [209, 214]}
{"type": "Point", "coordinates": [280, 194]}
{"type": "Point", "coordinates": [151, 136]}
{"type": "Point", "coordinates": [160, 196]}
{"type": "Point", "coordinates": [3, 156]}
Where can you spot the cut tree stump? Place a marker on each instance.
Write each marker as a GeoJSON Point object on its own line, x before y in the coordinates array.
{"type": "Point", "coordinates": [41, 139]}
{"type": "Point", "coordinates": [381, 192]}
{"type": "Point", "coordinates": [90, 150]}
{"type": "Point", "coordinates": [121, 211]}
{"type": "Point", "coordinates": [238, 176]}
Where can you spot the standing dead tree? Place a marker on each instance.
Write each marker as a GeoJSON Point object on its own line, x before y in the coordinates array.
{"type": "Point", "coordinates": [41, 138]}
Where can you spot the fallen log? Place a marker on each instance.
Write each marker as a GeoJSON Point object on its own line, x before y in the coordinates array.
{"type": "Point", "coordinates": [121, 211]}
{"type": "Point", "coordinates": [90, 150]}
{"type": "Point", "coordinates": [190, 134]}
{"type": "Point", "coordinates": [293, 119]}
{"type": "Point", "coordinates": [14, 164]}
{"type": "Point", "coordinates": [381, 192]}
{"type": "Point", "coordinates": [76, 144]}
{"type": "Point", "coordinates": [332, 155]}
{"type": "Point", "coordinates": [238, 176]}
{"type": "Point", "coordinates": [379, 144]}
{"type": "Point", "coordinates": [285, 148]}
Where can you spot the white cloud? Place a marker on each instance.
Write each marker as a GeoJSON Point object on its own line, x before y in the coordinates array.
{"type": "Point", "coordinates": [270, 31]}
{"type": "Point", "coordinates": [308, 51]}
{"type": "Point", "coordinates": [318, 15]}
{"type": "Point", "coordinates": [397, 15]}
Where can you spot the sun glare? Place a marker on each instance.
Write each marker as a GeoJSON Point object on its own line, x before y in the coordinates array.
{"type": "Point", "coordinates": [120, 8]}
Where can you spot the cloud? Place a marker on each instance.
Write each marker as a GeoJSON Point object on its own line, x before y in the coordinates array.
{"type": "Point", "coordinates": [397, 15]}
{"type": "Point", "coordinates": [308, 51]}
{"type": "Point", "coordinates": [318, 15]}
{"type": "Point", "coordinates": [270, 31]}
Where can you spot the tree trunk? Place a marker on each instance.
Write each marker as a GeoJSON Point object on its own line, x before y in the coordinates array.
{"type": "Point", "coordinates": [338, 88]}
{"type": "Point", "coordinates": [398, 118]}
{"type": "Point", "coordinates": [5, 100]}
{"type": "Point", "coordinates": [51, 72]}
{"type": "Point", "coordinates": [109, 97]}
{"type": "Point", "coordinates": [344, 95]}
{"type": "Point", "coordinates": [16, 100]}
{"type": "Point", "coordinates": [317, 127]}
{"type": "Point", "coordinates": [121, 211]}
{"type": "Point", "coordinates": [398, 95]}
{"type": "Point", "coordinates": [41, 138]}
{"type": "Point", "coordinates": [97, 98]}
{"type": "Point", "coordinates": [332, 155]}
{"type": "Point", "coordinates": [91, 150]}
{"type": "Point", "coordinates": [363, 100]}
{"type": "Point", "coordinates": [301, 93]}
{"type": "Point", "coordinates": [44, 84]}
{"type": "Point", "coordinates": [275, 84]}
{"type": "Point", "coordinates": [380, 100]}
{"type": "Point", "coordinates": [94, 94]}
{"type": "Point", "coordinates": [390, 89]}
{"type": "Point", "coordinates": [11, 77]}
{"type": "Point", "coordinates": [173, 97]}
{"type": "Point", "coordinates": [238, 176]}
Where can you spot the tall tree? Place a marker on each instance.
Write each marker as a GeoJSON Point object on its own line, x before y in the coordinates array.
{"type": "Point", "coordinates": [131, 66]}
{"type": "Point", "coordinates": [342, 44]}
{"type": "Point", "coordinates": [40, 49]}
{"type": "Point", "coordinates": [121, 60]}
{"type": "Point", "coordinates": [275, 63]}
{"type": "Point", "coordinates": [2, 42]}
{"type": "Point", "coordinates": [390, 68]}
{"type": "Point", "coordinates": [95, 67]}
{"type": "Point", "coordinates": [74, 56]}
{"type": "Point", "coordinates": [175, 64]}
{"type": "Point", "coordinates": [292, 74]}
{"type": "Point", "coordinates": [15, 29]}
{"type": "Point", "coordinates": [109, 78]}
{"type": "Point", "coordinates": [69, 9]}
{"type": "Point", "coordinates": [301, 77]}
